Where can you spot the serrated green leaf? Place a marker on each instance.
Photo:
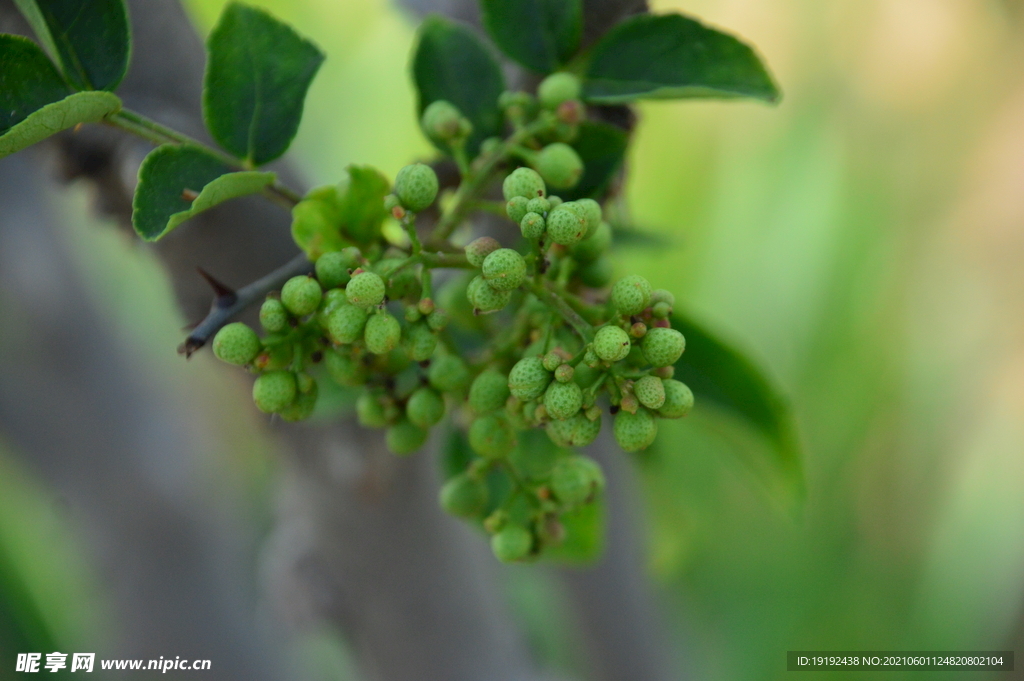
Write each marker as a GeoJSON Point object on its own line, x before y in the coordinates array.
{"type": "Point", "coordinates": [451, 63]}
{"type": "Point", "coordinates": [80, 107]}
{"type": "Point", "coordinates": [28, 80]}
{"type": "Point", "coordinates": [171, 174]}
{"type": "Point", "coordinates": [724, 378]}
{"type": "Point", "coordinates": [671, 57]}
{"type": "Point", "coordinates": [539, 34]}
{"type": "Point", "coordinates": [602, 148]}
{"type": "Point", "coordinates": [90, 39]}
{"type": "Point", "coordinates": [258, 71]}
{"type": "Point", "coordinates": [584, 534]}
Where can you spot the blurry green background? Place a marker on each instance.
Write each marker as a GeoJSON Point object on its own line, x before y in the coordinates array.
{"type": "Point", "coordinates": [864, 240]}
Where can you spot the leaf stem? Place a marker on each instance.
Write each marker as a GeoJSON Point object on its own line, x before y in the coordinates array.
{"type": "Point", "coordinates": [555, 302]}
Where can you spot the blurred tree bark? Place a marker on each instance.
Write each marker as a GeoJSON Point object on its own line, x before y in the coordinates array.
{"type": "Point", "coordinates": [360, 540]}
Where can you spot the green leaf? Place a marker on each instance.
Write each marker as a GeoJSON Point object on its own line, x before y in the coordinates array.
{"type": "Point", "coordinates": [168, 177]}
{"type": "Point", "coordinates": [28, 81]}
{"type": "Point", "coordinates": [602, 148]}
{"type": "Point", "coordinates": [584, 534]}
{"type": "Point", "coordinates": [257, 73]}
{"type": "Point", "coordinates": [332, 217]}
{"type": "Point", "coordinates": [724, 378]}
{"type": "Point", "coordinates": [539, 34]}
{"type": "Point", "coordinates": [451, 63]}
{"type": "Point", "coordinates": [80, 107]}
{"type": "Point", "coordinates": [90, 39]}
{"type": "Point", "coordinates": [671, 57]}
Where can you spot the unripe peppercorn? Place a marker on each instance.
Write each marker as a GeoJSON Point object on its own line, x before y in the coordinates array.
{"type": "Point", "coordinates": [650, 391]}
{"type": "Point", "coordinates": [539, 205]}
{"type": "Point", "coordinates": [558, 88]}
{"type": "Point", "coordinates": [559, 165]}
{"type": "Point", "coordinates": [563, 400]}
{"type": "Point", "coordinates": [365, 290]}
{"type": "Point", "coordinates": [552, 360]}
{"type": "Point", "coordinates": [572, 480]}
{"type": "Point", "coordinates": [517, 207]}
{"type": "Point", "coordinates": [448, 373]}
{"type": "Point", "coordinates": [420, 342]}
{"type": "Point", "coordinates": [484, 298]}
{"type": "Point", "coordinates": [512, 543]}
{"type": "Point", "coordinates": [593, 246]}
{"type": "Point", "coordinates": [442, 121]}
{"type": "Point", "coordinates": [382, 333]}
{"type": "Point", "coordinates": [554, 202]}
{"type": "Point", "coordinates": [464, 496]}
{"type": "Point", "coordinates": [597, 274]}
{"type": "Point", "coordinates": [273, 391]}
{"type": "Point", "coordinates": [478, 249]}
{"type": "Point", "coordinates": [416, 186]}
{"type": "Point", "coordinates": [638, 330]}
{"type": "Point", "coordinates": [333, 299]}
{"type": "Point", "coordinates": [524, 182]}
{"type": "Point", "coordinates": [577, 431]}
{"type": "Point", "coordinates": [565, 226]}
{"type": "Point", "coordinates": [405, 284]}
{"type": "Point", "coordinates": [564, 373]}
{"type": "Point", "coordinates": [405, 437]}
{"type": "Point", "coordinates": [663, 347]}
{"type": "Point", "coordinates": [660, 295]}
{"type": "Point", "coordinates": [528, 378]}
{"type": "Point", "coordinates": [678, 400]}
{"type": "Point", "coordinates": [273, 315]}
{"type": "Point", "coordinates": [303, 406]}
{"type": "Point", "coordinates": [532, 226]}
{"type": "Point", "coordinates": [504, 269]}
{"type": "Point", "coordinates": [611, 343]}
{"type": "Point", "coordinates": [437, 320]}
{"type": "Point", "coordinates": [631, 294]}
{"type": "Point", "coordinates": [236, 343]}
{"type": "Point", "coordinates": [301, 295]}
{"type": "Point", "coordinates": [492, 436]}
{"type": "Point", "coordinates": [635, 432]}
{"type": "Point", "coordinates": [343, 369]}
{"type": "Point", "coordinates": [590, 210]}
{"type": "Point", "coordinates": [332, 268]}
{"type": "Point", "coordinates": [425, 407]}
{"type": "Point", "coordinates": [370, 410]}
{"type": "Point", "coordinates": [661, 310]}
{"type": "Point", "coordinates": [489, 392]}
{"type": "Point", "coordinates": [346, 323]}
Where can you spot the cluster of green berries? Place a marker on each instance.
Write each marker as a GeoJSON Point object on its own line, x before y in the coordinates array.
{"type": "Point", "coordinates": [498, 354]}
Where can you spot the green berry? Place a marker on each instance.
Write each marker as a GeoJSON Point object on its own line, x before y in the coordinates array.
{"type": "Point", "coordinates": [661, 310]}
{"type": "Point", "coordinates": [365, 290]}
{"type": "Point", "coordinates": [478, 249]}
{"type": "Point", "coordinates": [611, 343]}
{"type": "Point", "coordinates": [572, 480]}
{"type": "Point", "coordinates": [660, 295]}
{"type": "Point", "coordinates": [236, 343]}
{"type": "Point", "coordinates": [554, 202]}
{"type": "Point", "coordinates": [438, 319]}
{"type": "Point", "coordinates": [442, 121]}
{"type": "Point", "coordinates": [650, 391]}
{"type": "Point", "coordinates": [558, 88]}
{"type": "Point", "coordinates": [420, 342]}
{"type": "Point", "coordinates": [597, 274]}
{"type": "Point", "coordinates": [532, 226]}
{"type": "Point", "coordinates": [552, 360]}
{"type": "Point", "coordinates": [333, 299]}
{"type": "Point", "coordinates": [528, 378]}
{"type": "Point", "coordinates": [566, 226]}
{"type": "Point", "coordinates": [564, 373]}
{"type": "Point", "coordinates": [517, 207]}
{"type": "Point", "coordinates": [593, 246]}
{"type": "Point", "coordinates": [273, 391]}
{"type": "Point", "coordinates": [344, 369]}
{"type": "Point", "coordinates": [492, 436]}
{"type": "Point", "coordinates": [559, 165]}
{"type": "Point", "coordinates": [678, 400]}
{"type": "Point", "coordinates": [273, 315]}
{"type": "Point", "coordinates": [464, 496]}
{"type": "Point", "coordinates": [405, 437]}
{"type": "Point", "coordinates": [504, 269]}
{"type": "Point", "coordinates": [346, 323]}
{"type": "Point", "coordinates": [578, 431]}
{"type": "Point", "coordinates": [512, 543]}
{"type": "Point", "coordinates": [382, 334]}
{"type": "Point", "coordinates": [303, 406]}
{"type": "Point", "coordinates": [391, 202]}
{"type": "Point", "coordinates": [591, 212]}
{"type": "Point", "coordinates": [448, 373]}
{"type": "Point", "coordinates": [489, 392]}
{"type": "Point", "coordinates": [301, 295]}
{"type": "Point", "coordinates": [538, 205]}
{"type": "Point", "coordinates": [416, 186]}
{"type": "Point", "coordinates": [663, 347]}
{"type": "Point", "coordinates": [523, 182]}
{"type": "Point", "coordinates": [563, 400]}
{"type": "Point", "coordinates": [484, 298]}
{"type": "Point", "coordinates": [370, 410]}
{"type": "Point", "coordinates": [631, 295]}
{"type": "Point", "coordinates": [405, 284]}
{"type": "Point", "coordinates": [636, 431]}
{"type": "Point", "coordinates": [425, 407]}
{"type": "Point", "coordinates": [332, 268]}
